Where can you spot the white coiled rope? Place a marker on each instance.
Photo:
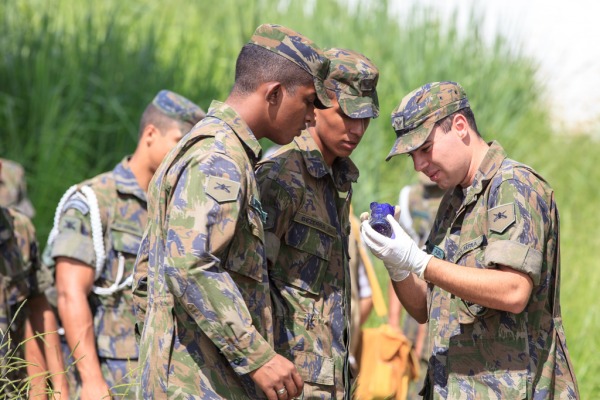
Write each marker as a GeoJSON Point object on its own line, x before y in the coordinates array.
{"type": "Point", "coordinates": [97, 240]}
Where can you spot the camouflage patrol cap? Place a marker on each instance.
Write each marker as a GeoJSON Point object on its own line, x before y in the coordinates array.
{"type": "Point", "coordinates": [419, 110]}
{"type": "Point", "coordinates": [177, 107]}
{"type": "Point", "coordinates": [353, 78]}
{"type": "Point", "coordinates": [298, 49]}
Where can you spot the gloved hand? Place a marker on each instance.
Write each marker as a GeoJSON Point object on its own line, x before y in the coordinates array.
{"type": "Point", "coordinates": [400, 255]}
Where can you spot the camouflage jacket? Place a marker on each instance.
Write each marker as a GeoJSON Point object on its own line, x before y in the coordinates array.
{"type": "Point", "coordinates": [508, 216]}
{"type": "Point", "coordinates": [13, 189]}
{"type": "Point", "coordinates": [21, 274]}
{"type": "Point", "coordinates": [122, 205]}
{"type": "Point", "coordinates": [306, 234]}
{"type": "Point", "coordinates": [208, 318]}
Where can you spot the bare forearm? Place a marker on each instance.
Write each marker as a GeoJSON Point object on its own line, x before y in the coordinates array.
{"type": "Point", "coordinates": [412, 293]}
{"type": "Point", "coordinates": [395, 307]}
{"type": "Point", "coordinates": [501, 289]}
{"type": "Point", "coordinates": [77, 320]}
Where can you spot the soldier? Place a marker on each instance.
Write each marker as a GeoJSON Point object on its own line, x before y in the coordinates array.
{"type": "Point", "coordinates": [418, 206]}
{"type": "Point", "coordinates": [95, 241]}
{"type": "Point", "coordinates": [13, 188]}
{"type": "Point", "coordinates": [208, 328]}
{"type": "Point", "coordinates": [23, 304]}
{"type": "Point", "coordinates": [306, 189]}
{"type": "Point", "coordinates": [488, 280]}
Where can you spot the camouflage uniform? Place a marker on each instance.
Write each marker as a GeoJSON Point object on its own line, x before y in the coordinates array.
{"type": "Point", "coordinates": [123, 214]}
{"type": "Point", "coordinates": [508, 217]}
{"type": "Point", "coordinates": [208, 321]}
{"type": "Point", "coordinates": [122, 205]}
{"type": "Point", "coordinates": [13, 188]}
{"type": "Point", "coordinates": [307, 229]}
{"type": "Point", "coordinates": [21, 277]}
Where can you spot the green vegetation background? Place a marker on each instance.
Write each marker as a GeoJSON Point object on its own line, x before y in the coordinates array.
{"type": "Point", "coordinates": [76, 75]}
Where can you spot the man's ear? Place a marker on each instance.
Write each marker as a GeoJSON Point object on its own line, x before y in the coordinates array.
{"type": "Point", "coordinates": [149, 134]}
{"type": "Point", "coordinates": [274, 93]}
{"type": "Point", "coordinates": [460, 124]}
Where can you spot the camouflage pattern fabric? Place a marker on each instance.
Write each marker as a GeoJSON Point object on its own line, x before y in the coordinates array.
{"type": "Point", "coordinates": [13, 188]}
{"type": "Point", "coordinates": [202, 268]}
{"type": "Point", "coordinates": [21, 277]}
{"type": "Point", "coordinates": [298, 49]}
{"type": "Point", "coordinates": [353, 78]}
{"type": "Point", "coordinates": [419, 110]}
{"type": "Point", "coordinates": [177, 107]}
{"type": "Point", "coordinates": [122, 205]}
{"type": "Point", "coordinates": [306, 232]}
{"type": "Point", "coordinates": [508, 216]}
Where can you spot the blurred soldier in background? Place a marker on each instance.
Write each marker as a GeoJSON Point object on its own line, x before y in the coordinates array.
{"type": "Point", "coordinates": [488, 281]}
{"type": "Point", "coordinates": [208, 330]}
{"type": "Point", "coordinates": [23, 305]}
{"type": "Point", "coordinates": [98, 227]}
{"type": "Point", "coordinates": [418, 206]}
{"type": "Point", "coordinates": [306, 189]}
{"type": "Point", "coordinates": [13, 188]}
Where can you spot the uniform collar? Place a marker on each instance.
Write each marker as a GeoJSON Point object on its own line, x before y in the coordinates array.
{"type": "Point", "coordinates": [228, 115]}
{"type": "Point", "coordinates": [489, 166]}
{"type": "Point", "coordinates": [125, 180]}
{"type": "Point", "coordinates": [343, 170]}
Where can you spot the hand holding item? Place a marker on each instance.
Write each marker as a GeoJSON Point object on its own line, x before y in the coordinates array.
{"type": "Point", "coordinates": [400, 254]}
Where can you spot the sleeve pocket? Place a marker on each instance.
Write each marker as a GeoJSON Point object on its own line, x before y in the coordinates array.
{"type": "Point", "coordinates": [248, 255]}
{"type": "Point", "coordinates": [314, 368]}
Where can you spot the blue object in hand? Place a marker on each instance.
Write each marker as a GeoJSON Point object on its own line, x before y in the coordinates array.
{"type": "Point", "coordinates": [377, 221]}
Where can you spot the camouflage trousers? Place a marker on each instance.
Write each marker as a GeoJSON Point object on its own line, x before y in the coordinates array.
{"type": "Point", "coordinates": [120, 375]}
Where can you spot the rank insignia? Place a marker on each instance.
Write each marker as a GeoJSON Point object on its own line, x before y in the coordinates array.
{"type": "Point", "coordinates": [222, 190]}
{"type": "Point", "coordinates": [501, 217]}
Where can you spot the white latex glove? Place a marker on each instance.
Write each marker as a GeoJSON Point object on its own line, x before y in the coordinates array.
{"type": "Point", "coordinates": [400, 255]}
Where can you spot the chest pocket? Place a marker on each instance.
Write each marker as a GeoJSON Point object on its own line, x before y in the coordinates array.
{"type": "Point", "coordinates": [126, 237]}
{"type": "Point", "coordinates": [125, 242]}
{"type": "Point", "coordinates": [247, 252]}
{"type": "Point", "coordinates": [471, 254]}
{"type": "Point", "coordinates": [309, 241]}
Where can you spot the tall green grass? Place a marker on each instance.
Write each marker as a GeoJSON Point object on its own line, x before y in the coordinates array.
{"type": "Point", "coordinates": [75, 77]}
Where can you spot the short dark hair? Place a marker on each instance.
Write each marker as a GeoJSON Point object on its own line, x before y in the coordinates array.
{"type": "Point", "coordinates": [446, 122]}
{"type": "Point", "coordinates": [152, 115]}
{"type": "Point", "coordinates": [256, 65]}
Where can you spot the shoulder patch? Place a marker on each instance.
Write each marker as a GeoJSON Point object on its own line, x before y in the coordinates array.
{"type": "Point", "coordinates": [78, 202]}
{"type": "Point", "coordinates": [222, 190]}
{"type": "Point", "coordinates": [501, 217]}
{"type": "Point", "coordinates": [68, 223]}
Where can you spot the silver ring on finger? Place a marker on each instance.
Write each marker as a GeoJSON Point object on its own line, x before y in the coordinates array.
{"type": "Point", "coordinates": [281, 391]}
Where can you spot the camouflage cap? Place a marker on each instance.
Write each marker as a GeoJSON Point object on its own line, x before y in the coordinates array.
{"type": "Point", "coordinates": [353, 78]}
{"type": "Point", "coordinates": [298, 49]}
{"type": "Point", "coordinates": [177, 107]}
{"type": "Point", "coordinates": [419, 110]}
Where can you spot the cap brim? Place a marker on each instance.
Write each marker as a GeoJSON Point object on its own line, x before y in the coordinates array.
{"type": "Point", "coordinates": [322, 101]}
{"type": "Point", "coordinates": [410, 141]}
{"type": "Point", "coordinates": [359, 107]}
